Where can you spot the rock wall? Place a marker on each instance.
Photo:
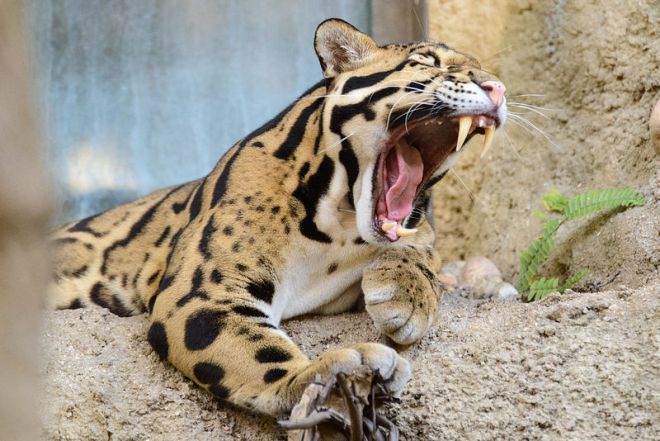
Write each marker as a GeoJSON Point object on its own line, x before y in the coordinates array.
{"type": "Point", "coordinates": [596, 68]}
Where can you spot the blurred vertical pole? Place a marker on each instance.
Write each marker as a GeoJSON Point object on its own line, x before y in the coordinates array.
{"type": "Point", "coordinates": [24, 208]}
{"type": "Point", "coordinates": [399, 21]}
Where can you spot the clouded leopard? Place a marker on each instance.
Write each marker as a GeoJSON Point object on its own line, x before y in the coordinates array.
{"type": "Point", "coordinates": [319, 209]}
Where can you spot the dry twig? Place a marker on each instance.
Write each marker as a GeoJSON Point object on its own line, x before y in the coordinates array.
{"type": "Point", "coordinates": [344, 408]}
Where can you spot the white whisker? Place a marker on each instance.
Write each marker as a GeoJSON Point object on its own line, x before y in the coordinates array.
{"type": "Point", "coordinates": [337, 143]}
{"type": "Point", "coordinates": [470, 192]}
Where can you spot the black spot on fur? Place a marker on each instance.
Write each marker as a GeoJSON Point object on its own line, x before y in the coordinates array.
{"type": "Point", "coordinates": [257, 144]}
{"type": "Point", "coordinates": [248, 311]}
{"type": "Point", "coordinates": [208, 373]}
{"type": "Point", "coordinates": [228, 231]}
{"type": "Point", "coordinates": [152, 278]}
{"type": "Point", "coordinates": [236, 247]}
{"type": "Point", "coordinates": [297, 131]}
{"type": "Point", "coordinates": [309, 194]}
{"type": "Point", "coordinates": [178, 207]}
{"type": "Point", "coordinates": [162, 237]}
{"type": "Point", "coordinates": [82, 226]}
{"type": "Point", "coordinates": [219, 391]}
{"type": "Point", "coordinates": [203, 327]}
{"type": "Point", "coordinates": [79, 272]}
{"type": "Point", "coordinates": [195, 292]}
{"type": "Point", "coordinates": [241, 267]}
{"type": "Point", "coordinates": [102, 296]}
{"type": "Point", "coordinates": [303, 171]}
{"type": "Point", "coordinates": [270, 125]}
{"type": "Point", "coordinates": [369, 80]}
{"type": "Point", "coordinates": [272, 375]}
{"type": "Point", "coordinates": [192, 295]}
{"type": "Point", "coordinates": [196, 204]}
{"type": "Point", "coordinates": [333, 267]}
{"type": "Point", "coordinates": [223, 179]}
{"type": "Point", "coordinates": [359, 241]}
{"type": "Point", "coordinates": [75, 304]}
{"type": "Point", "coordinates": [262, 290]}
{"type": "Point", "coordinates": [207, 238]}
{"type": "Point", "coordinates": [216, 277]}
{"type": "Point", "coordinates": [272, 354]}
{"type": "Point", "coordinates": [427, 273]}
{"type": "Point", "coordinates": [243, 331]}
{"type": "Point", "coordinates": [136, 229]}
{"type": "Point", "coordinates": [157, 338]}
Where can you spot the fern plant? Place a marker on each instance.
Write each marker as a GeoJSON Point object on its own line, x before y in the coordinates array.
{"type": "Point", "coordinates": [558, 210]}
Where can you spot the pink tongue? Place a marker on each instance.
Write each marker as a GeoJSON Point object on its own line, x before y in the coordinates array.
{"type": "Point", "coordinates": [407, 167]}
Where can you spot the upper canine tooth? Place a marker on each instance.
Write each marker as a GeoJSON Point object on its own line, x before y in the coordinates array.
{"type": "Point", "coordinates": [387, 226]}
{"type": "Point", "coordinates": [464, 123]}
{"type": "Point", "coordinates": [403, 232]}
{"type": "Point", "coordinates": [488, 139]}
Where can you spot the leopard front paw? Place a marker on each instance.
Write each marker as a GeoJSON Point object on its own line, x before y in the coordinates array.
{"type": "Point", "coordinates": [393, 368]}
{"type": "Point", "coordinates": [401, 296]}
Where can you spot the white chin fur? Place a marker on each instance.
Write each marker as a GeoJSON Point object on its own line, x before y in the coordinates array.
{"type": "Point", "coordinates": [364, 207]}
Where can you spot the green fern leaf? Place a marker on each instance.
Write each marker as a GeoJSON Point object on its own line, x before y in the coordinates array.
{"type": "Point", "coordinates": [555, 201]}
{"type": "Point", "coordinates": [592, 201]}
{"type": "Point", "coordinates": [551, 226]}
{"type": "Point", "coordinates": [536, 254]}
{"type": "Point", "coordinates": [531, 260]}
{"type": "Point", "coordinates": [573, 280]}
{"type": "Point", "coordinates": [542, 287]}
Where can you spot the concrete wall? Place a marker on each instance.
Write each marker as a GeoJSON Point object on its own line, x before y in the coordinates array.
{"type": "Point", "coordinates": [597, 67]}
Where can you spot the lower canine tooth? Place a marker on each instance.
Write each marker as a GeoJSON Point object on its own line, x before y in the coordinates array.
{"type": "Point", "coordinates": [387, 226]}
{"type": "Point", "coordinates": [464, 123]}
{"type": "Point", "coordinates": [488, 139]}
{"type": "Point", "coordinates": [403, 232]}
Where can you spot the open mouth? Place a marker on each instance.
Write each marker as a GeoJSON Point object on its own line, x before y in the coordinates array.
{"type": "Point", "coordinates": [411, 157]}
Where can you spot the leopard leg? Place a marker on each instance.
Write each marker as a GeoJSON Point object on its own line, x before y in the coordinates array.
{"type": "Point", "coordinates": [401, 291]}
{"type": "Point", "coordinates": [228, 344]}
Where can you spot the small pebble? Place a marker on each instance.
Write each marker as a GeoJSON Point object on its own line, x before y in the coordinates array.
{"type": "Point", "coordinates": [476, 269]}
{"type": "Point", "coordinates": [477, 278]}
{"type": "Point", "coordinates": [454, 268]}
{"type": "Point", "coordinates": [448, 279]}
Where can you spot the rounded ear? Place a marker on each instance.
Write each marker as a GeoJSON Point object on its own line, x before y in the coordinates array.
{"type": "Point", "coordinates": [341, 47]}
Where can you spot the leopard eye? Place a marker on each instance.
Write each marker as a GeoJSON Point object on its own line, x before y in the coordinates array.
{"type": "Point", "coordinates": [426, 60]}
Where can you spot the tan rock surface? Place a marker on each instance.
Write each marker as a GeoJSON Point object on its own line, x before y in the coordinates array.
{"type": "Point", "coordinates": [581, 366]}
{"type": "Point", "coordinates": [596, 66]}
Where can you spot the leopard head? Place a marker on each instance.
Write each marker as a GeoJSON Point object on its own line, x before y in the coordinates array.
{"type": "Point", "coordinates": [398, 116]}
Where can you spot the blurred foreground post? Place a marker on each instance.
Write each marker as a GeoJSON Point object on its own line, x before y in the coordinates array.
{"type": "Point", "coordinates": [24, 209]}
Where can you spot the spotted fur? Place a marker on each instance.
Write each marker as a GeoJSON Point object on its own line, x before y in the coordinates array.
{"type": "Point", "coordinates": [282, 226]}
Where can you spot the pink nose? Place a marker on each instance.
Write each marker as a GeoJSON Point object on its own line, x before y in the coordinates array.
{"type": "Point", "coordinates": [495, 91]}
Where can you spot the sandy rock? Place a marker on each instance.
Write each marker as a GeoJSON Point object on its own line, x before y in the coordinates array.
{"type": "Point", "coordinates": [571, 367]}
